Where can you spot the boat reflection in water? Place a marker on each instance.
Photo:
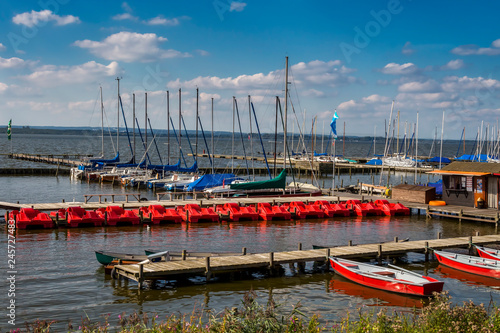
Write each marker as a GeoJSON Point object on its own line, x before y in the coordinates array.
{"type": "Point", "coordinates": [380, 298]}
{"type": "Point", "coordinates": [467, 278]}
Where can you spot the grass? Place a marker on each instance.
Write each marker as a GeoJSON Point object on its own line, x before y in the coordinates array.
{"type": "Point", "coordinates": [440, 315]}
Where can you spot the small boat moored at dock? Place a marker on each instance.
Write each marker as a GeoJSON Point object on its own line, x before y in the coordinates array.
{"type": "Point", "coordinates": [388, 279]}
{"type": "Point", "coordinates": [470, 264]}
{"type": "Point", "coordinates": [488, 253]}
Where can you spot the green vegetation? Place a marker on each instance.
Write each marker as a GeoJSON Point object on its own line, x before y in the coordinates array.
{"type": "Point", "coordinates": [440, 315]}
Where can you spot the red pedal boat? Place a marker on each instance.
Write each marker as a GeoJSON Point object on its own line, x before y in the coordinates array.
{"type": "Point", "coordinates": [194, 213]}
{"type": "Point", "coordinates": [392, 209]}
{"type": "Point", "coordinates": [332, 209]}
{"type": "Point", "coordinates": [274, 212]}
{"type": "Point", "coordinates": [30, 218]}
{"type": "Point", "coordinates": [157, 214]}
{"type": "Point", "coordinates": [301, 210]}
{"type": "Point", "coordinates": [116, 215]}
{"type": "Point", "coordinates": [388, 279]}
{"type": "Point", "coordinates": [470, 264]}
{"type": "Point", "coordinates": [363, 209]}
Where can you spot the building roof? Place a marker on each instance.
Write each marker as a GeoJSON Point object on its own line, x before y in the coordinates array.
{"type": "Point", "coordinates": [470, 167]}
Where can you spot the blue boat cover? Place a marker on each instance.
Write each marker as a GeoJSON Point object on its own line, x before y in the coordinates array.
{"type": "Point", "coordinates": [435, 159]}
{"type": "Point", "coordinates": [166, 167]}
{"type": "Point", "coordinates": [116, 159]}
{"type": "Point", "coordinates": [210, 180]}
{"type": "Point", "coordinates": [374, 161]}
{"type": "Point", "coordinates": [438, 185]}
{"type": "Point", "coordinates": [473, 158]}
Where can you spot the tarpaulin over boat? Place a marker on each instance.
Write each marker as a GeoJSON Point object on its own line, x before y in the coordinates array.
{"type": "Point", "coordinates": [473, 158]}
{"type": "Point", "coordinates": [208, 181]}
{"type": "Point", "coordinates": [278, 182]}
{"type": "Point", "coordinates": [116, 159]}
{"type": "Point", "coordinates": [129, 164]}
{"type": "Point", "coordinates": [436, 159]}
{"type": "Point", "coordinates": [374, 161]}
{"type": "Point", "coordinates": [166, 167]}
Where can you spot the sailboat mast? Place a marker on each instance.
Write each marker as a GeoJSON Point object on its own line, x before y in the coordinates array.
{"type": "Point", "coordinates": [168, 127]}
{"type": "Point", "coordinates": [102, 126]}
{"type": "Point", "coordinates": [196, 140]}
{"type": "Point", "coordinates": [180, 119]}
{"type": "Point", "coordinates": [286, 113]}
{"type": "Point", "coordinates": [251, 136]}
{"type": "Point", "coordinates": [133, 125]}
{"type": "Point", "coordinates": [213, 148]}
{"type": "Point", "coordinates": [232, 142]}
{"type": "Point", "coordinates": [416, 147]}
{"type": "Point", "coordinates": [146, 119]}
{"type": "Point", "coordinates": [441, 149]}
{"type": "Point", "coordinates": [118, 116]}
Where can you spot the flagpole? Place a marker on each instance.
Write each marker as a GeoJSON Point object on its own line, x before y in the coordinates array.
{"type": "Point", "coordinates": [334, 154]}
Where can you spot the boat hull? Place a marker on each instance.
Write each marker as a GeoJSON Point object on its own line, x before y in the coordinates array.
{"type": "Point", "coordinates": [469, 264]}
{"type": "Point", "coordinates": [425, 286]}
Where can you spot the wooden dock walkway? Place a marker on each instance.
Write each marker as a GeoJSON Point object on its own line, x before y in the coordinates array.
{"type": "Point", "coordinates": [211, 266]}
{"type": "Point", "coordinates": [64, 160]}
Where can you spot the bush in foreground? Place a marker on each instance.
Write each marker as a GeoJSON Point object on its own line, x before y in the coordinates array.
{"type": "Point", "coordinates": [440, 315]}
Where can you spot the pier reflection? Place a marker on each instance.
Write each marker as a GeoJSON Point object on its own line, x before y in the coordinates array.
{"type": "Point", "coordinates": [467, 278]}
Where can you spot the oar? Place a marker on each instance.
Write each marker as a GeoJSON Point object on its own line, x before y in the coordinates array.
{"type": "Point", "coordinates": [404, 270]}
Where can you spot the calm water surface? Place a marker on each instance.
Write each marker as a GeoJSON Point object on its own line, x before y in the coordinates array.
{"type": "Point", "coordinates": [59, 278]}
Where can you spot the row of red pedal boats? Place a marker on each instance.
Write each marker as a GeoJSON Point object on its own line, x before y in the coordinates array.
{"type": "Point", "coordinates": [398, 280]}
{"type": "Point", "coordinates": [156, 214]}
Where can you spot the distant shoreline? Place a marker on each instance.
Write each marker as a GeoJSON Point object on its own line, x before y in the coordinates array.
{"type": "Point", "coordinates": [163, 133]}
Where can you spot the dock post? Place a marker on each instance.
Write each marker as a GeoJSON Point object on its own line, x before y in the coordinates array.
{"type": "Point", "coordinates": [350, 243]}
{"type": "Point", "coordinates": [396, 239]}
{"type": "Point", "coordinates": [208, 273]}
{"type": "Point", "coordinates": [327, 261]}
{"type": "Point", "coordinates": [244, 251]}
{"type": "Point", "coordinates": [460, 215]}
{"type": "Point", "coordinates": [426, 251]}
{"type": "Point", "coordinates": [379, 255]}
{"type": "Point", "coordinates": [439, 235]}
{"type": "Point", "coordinates": [300, 246]}
{"type": "Point", "coordinates": [271, 263]}
{"type": "Point", "coordinates": [470, 245]}
{"type": "Point", "coordinates": [183, 254]}
{"type": "Point", "coordinates": [141, 275]}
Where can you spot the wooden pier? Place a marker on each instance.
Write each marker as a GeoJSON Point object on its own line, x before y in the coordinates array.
{"type": "Point", "coordinates": [212, 266]}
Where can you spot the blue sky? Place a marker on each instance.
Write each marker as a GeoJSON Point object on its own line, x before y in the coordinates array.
{"type": "Point", "coordinates": [356, 57]}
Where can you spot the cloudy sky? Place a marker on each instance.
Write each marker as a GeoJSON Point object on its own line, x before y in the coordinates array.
{"type": "Point", "coordinates": [355, 57]}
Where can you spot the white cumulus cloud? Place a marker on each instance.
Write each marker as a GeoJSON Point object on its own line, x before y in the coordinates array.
{"type": "Point", "coordinates": [163, 21]}
{"type": "Point", "coordinates": [57, 75]}
{"type": "Point", "coordinates": [237, 6]}
{"type": "Point", "coordinates": [2, 47]}
{"type": "Point", "coordinates": [472, 49]}
{"type": "Point", "coordinates": [453, 65]}
{"type": "Point", "coordinates": [14, 62]}
{"type": "Point", "coordinates": [33, 18]}
{"type": "Point", "coordinates": [131, 47]}
{"type": "Point", "coordinates": [399, 69]}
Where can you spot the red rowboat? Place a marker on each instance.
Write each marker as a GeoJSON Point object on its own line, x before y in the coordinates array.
{"type": "Point", "coordinates": [470, 264]}
{"type": "Point", "coordinates": [389, 279]}
{"type": "Point", "coordinates": [485, 252]}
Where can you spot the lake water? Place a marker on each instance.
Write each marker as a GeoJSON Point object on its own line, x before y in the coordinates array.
{"type": "Point", "coordinates": [58, 277]}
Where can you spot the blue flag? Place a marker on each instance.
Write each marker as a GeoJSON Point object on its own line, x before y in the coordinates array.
{"type": "Point", "coordinates": [333, 123]}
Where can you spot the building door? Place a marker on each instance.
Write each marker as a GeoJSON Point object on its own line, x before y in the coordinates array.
{"type": "Point", "coordinates": [492, 192]}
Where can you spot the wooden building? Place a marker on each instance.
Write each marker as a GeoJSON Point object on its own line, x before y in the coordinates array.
{"type": "Point", "coordinates": [413, 193]}
{"type": "Point", "coordinates": [473, 184]}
